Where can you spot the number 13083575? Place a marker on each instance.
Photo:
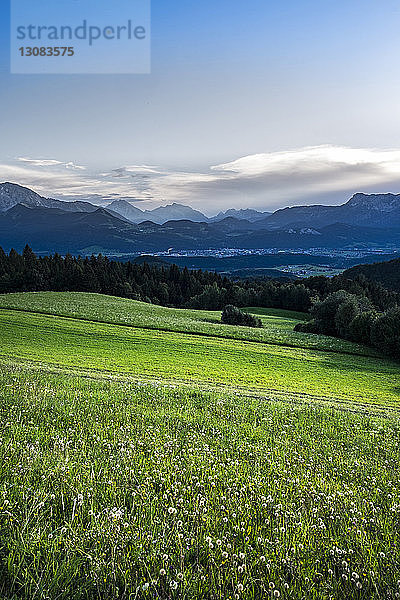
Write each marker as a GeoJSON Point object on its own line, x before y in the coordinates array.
{"type": "Point", "coordinates": [47, 51]}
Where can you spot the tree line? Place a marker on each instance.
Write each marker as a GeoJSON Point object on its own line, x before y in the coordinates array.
{"type": "Point", "coordinates": [166, 286]}
{"type": "Point", "coordinates": [356, 319]}
{"type": "Point", "coordinates": [355, 309]}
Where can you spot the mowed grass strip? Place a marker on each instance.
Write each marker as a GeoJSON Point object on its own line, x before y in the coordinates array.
{"type": "Point", "coordinates": [278, 325]}
{"type": "Point", "coordinates": [199, 359]}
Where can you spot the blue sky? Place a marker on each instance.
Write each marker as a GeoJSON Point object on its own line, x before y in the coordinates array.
{"type": "Point", "coordinates": [256, 103]}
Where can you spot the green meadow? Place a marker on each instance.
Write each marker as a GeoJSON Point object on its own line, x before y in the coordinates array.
{"type": "Point", "coordinates": [278, 324]}
{"type": "Point", "coordinates": [154, 453]}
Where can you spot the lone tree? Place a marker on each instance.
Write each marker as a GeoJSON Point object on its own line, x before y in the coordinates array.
{"type": "Point", "coordinates": [232, 315]}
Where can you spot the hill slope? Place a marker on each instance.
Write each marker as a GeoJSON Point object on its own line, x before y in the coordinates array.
{"type": "Point", "coordinates": [174, 465]}
{"type": "Point", "coordinates": [203, 357]}
{"type": "Point", "coordinates": [386, 273]}
{"type": "Point", "coordinates": [278, 324]}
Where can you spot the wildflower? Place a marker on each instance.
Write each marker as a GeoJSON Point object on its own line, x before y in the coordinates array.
{"type": "Point", "coordinates": [173, 585]}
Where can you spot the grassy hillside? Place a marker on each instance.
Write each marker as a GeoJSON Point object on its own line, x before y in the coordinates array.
{"type": "Point", "coordinates": [278, 324]}
{"type": "Point", "coordinates": [199, 359]}
{"type": "Point", "coordinates": [153, 453]}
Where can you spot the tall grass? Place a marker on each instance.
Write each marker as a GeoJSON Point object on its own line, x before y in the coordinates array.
{"type": "Point", "coordinates": [118, 490]}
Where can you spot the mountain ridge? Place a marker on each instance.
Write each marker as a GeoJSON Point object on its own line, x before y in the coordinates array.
{"type": "Point", "coordinates": [50, 230]}
{"type": "Point", "coordinates": [158, 215]}
{"type": "Point", "coordinates": [12, 194]}
{"type": "Point", "coordinates": [52, 225]}
{"type": "Point", "coordinates": [362, 209]}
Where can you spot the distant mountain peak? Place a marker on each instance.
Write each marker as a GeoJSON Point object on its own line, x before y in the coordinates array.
{"type": "Point", "coordinates": [381, 202]}
{"type": "Point", "coordinates": [247, 214]}
{"type": "Point", "coordinates": [159, 215]}
{"type": "Point", "coordinates": [8, 185]}
{"type": "Point", "coordinates": [12, 194]}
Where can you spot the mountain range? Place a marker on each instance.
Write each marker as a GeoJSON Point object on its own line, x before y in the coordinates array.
{"type": "Point", "coordinates": [50, 225]}
{"type": "Point", "coordinates": [159, 215]}
{"type": "Point", "coordinates": [12, 194]}
{"type": "Point", "coordinates": [367, 210]}
{"type": "Point", "coordinates": [176, 212]}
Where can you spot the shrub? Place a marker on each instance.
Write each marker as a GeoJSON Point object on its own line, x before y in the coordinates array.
{"type": "Point", "coordinates": [308, 327]}
{"type": "Point", "coordinates": [232, 315]}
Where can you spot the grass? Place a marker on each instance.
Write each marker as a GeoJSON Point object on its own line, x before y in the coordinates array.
{"type": "Point", "coordinates": [200, 359]}
{"type": "Point", "coordinates": [119, 482]}
{"type": "Point", "coordinates": [114, 490]}
{"type": "Point", "coordinates": [278, 324]}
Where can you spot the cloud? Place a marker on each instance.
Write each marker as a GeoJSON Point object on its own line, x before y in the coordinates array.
{"type": "Point", "coordinates": [49, 162]}
{"type": "Point", "coordinates": [315, 160]}
{"type": "Point", "coordinates": [272, 180]}
{"type": "Point", "coordinates": [315, 174]}
{"type": "Point", "coordinates": [136, 170]}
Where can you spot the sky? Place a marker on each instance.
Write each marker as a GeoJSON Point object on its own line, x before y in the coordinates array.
{"type": "Point", "coordinates": [259, 104]}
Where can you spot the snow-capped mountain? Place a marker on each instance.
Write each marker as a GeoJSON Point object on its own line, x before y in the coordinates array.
{"type": "Point", "coordinates": [12, 194]}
